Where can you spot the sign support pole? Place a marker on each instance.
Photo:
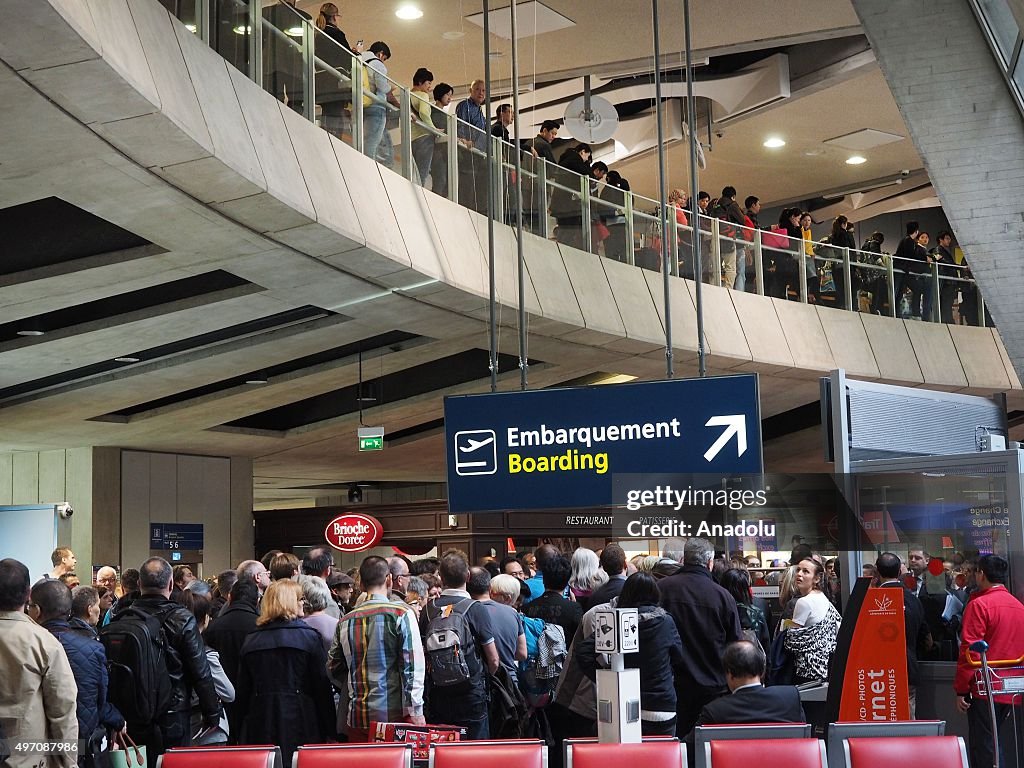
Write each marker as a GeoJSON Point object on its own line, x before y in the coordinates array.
{"type": "Point", "coordinates": [662, 195]}
{"type": "Point", "coordinates": [691, 122]}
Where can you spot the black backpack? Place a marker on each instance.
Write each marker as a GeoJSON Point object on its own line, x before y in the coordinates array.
{"type": "Point", "coordinates": [508, 712]}
{"type": "Point", "coordinates": [140, 684]}
{"type": "Point", "coordinates": [726, 228]}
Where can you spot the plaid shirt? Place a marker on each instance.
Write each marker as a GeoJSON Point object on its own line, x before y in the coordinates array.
{"type": "Point", "coordinates": [377, 660]}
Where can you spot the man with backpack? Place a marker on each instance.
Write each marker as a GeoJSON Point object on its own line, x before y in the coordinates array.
{"type": "Point", "coordinates": [157, 658]}
{"type": "Point", "coordinates": [459, 646]}
{"type": "Point", "coordinates": [728, 212]}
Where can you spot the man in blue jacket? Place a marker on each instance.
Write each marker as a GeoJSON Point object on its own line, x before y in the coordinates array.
{"type": "Point", "coordinates": [51, 601]}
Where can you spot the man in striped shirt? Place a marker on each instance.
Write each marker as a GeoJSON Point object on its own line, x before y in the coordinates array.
{"type": "Point", "coordinates": [377, 658]}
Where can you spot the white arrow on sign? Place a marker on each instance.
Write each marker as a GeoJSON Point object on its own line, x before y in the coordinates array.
{"type": "Point", "coordinates": [735, 425]}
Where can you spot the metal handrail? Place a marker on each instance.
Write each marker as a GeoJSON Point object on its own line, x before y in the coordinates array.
{"type": "Point", "coordinates": [547, 178]}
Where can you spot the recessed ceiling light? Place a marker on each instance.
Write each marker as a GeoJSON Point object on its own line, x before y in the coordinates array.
{"type": "Point", "coordinates": [242, 30]}
{"type": "Point", "coordinates": [294, 31]}
{"type": "Point", "coordinates": [774, 142]}
{"type": "Point", "coordinates": [408, 12]}
{"type": "Point", "coordinates": [856, 160]}
{"type": "Point", "coordinates": [453, 35]}
{"type": "Point", "coordinates": [31, 332]}
{"type": "Point", "coordinates": [127, 359]}
{"type": "Point", "coordinates": [256, 379]}
{"type": "Point", "coordinates": [813, 152]}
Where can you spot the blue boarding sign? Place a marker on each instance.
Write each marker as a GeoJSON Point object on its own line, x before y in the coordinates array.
{"type": "Point", "coordinates": [179, 537]}
{"type": "Point", "coordinates": [558, 448]}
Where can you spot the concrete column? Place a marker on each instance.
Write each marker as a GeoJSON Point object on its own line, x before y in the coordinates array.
{"type": "Point", "coordinates": [967, 128]}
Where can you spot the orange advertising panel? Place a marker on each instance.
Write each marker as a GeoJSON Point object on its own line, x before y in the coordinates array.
{"type": "Point", "coordinates": [875, 687]}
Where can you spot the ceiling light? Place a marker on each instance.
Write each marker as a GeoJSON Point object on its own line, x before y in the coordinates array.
{"type": "Point", "coordinates": [127, 359]}
{"type": "Point", "coordinates": [774, 142]}
{"type": "Point", "coordinates": [242, 30]}
{"type": "Point", "coordinates": [191, 28]}
{"type": "Point", "coordinates": [454, 35]}
{"type": "Point", "coordinates": [813, 152]}
{"type": "Point", "coordinates": [294, 31]}
{"type": "Point", "coordinates": [408, 12]}
{"type": "Point", "coordinates": [256, 379]}
{"type": "Point", "coordinates": [31, 332]}
{"type": "Point", "coordinates": [856, 160]}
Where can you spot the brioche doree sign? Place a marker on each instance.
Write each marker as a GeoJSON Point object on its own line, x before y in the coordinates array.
{"type": "Point", "coordinates": [353, 532]}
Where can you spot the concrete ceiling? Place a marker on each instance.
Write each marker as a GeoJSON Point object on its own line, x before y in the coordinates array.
{"type": "Point", "coordinates": [606, 34]}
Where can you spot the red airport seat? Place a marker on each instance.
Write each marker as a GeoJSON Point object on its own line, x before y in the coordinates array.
{"type": "Point", "coordinates": [257, 756]}
{"type": "Point", "coordinates": [702, 734]}
{"type": "Point", "coordinates": [933, 751]}
{"type": "Point", "coordinates": [352, 755]}
{"type": "Point", "coordinates": [655, 753]}
{"type": "Point", "coordinates": [521, 753]}
{"type": "Point", "coordinates": [743, 753]}
{"type": "Point", "coordinates": [839, 732]}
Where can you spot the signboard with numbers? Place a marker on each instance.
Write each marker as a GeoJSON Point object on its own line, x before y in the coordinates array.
{"type": "Point", "coordinates": [176, 537]}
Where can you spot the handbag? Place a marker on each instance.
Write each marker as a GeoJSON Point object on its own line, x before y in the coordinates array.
{"type": "Point", "coordinates": [775, 238]}
{"type": "Point", "coordinates": [125, 753]}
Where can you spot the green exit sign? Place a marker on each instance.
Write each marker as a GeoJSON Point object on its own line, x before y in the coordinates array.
{"type": "Point", "coordinates": [371, 438]}
{"type": "Point", "coordinates": [371, 443]}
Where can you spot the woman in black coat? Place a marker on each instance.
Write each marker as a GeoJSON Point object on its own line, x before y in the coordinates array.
{"type": "Point", "coordinates": [661, 652]}
{"type": "Point", "coordinates": [283, 694]}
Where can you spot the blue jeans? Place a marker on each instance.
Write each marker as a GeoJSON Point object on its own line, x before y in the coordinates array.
{"type": "Point", "coordinates": [741, 269]}
{"type": "Point", "coordinates": [376, 140]}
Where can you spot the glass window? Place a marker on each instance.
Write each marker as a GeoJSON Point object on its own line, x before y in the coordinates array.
{"type": "Point", "coordinates": [939, 523]}
{"type": "Point", "coordinates": [1018, 77]}
{"type": "Point", "coordinates": [1002, 26]}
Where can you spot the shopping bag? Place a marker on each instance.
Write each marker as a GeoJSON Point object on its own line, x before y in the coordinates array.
{"type": "Point", "coordinates": [125, 753]}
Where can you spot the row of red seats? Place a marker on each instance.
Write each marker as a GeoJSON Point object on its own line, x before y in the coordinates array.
{"type": "Point", "coordinates": [933, 751]}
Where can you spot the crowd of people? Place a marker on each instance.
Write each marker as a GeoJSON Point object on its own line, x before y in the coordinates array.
{"type": "Point", "coordinates": [293, 651]}
{"type": "Point", "coordinates": [793, 263]}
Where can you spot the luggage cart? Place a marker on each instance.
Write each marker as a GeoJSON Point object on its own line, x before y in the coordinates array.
{"type": "Point", "coordinates": [994, 678]}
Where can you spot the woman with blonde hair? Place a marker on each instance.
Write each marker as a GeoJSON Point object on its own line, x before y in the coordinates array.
{"type": "Point", "coordinates": [284, 695]}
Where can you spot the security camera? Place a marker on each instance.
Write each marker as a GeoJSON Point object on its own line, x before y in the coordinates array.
{"type": "Point", "coordinates": [65, 510]}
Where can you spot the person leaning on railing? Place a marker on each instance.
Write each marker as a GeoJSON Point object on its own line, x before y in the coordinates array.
{"type": "Point", "coordinates": [377, 94]}
{"type": "Point", "coordinates": [422, 123]}
{"type": "Point", "coordinates": [439, 117]}
{"type": "Point", "coordinates": [472, 136]}
{"type": "Point", "coordinates": [333, 94]}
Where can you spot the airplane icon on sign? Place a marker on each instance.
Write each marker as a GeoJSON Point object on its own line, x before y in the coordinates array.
{"type": "Point", "coordinates": [472, 444]}
{"type": "Point", "coordinates": [471, 454]}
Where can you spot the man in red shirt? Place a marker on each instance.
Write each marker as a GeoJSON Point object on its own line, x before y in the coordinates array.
{"type": "Point", "coordinates": [997, 617]}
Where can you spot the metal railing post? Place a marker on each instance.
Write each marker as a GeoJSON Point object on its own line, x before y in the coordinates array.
{"type": "Point", "coordinates": [407, 168]}
{"type": "Point", "coordinates": [936, 290]}
{"type": "Point", "coordinates": [802, 263]}
{"type": "Point", "coordinates": [588, 230]}
{"type": "Point", "coordinates": [203, 28]}
{"type": "Point", "coordinates": [541, 189]}
{"type": "Point", "coordinates": [357, 103]}
{"type": "Point", "coordinates": [453, 157]}
{"type": "Point", "coordinates": [847, 280]}
{"type": "Point", "coordinates": [308, 71]}
{"type": "Point", "coordinates": [758, 265]}
{"type": "Point", "coordinates": [255, 22]}
{"type": "Point", "coordinates": [630, 230]}
{"type": "Point", "coordinates": [890, 276]}
{"type": "Point", "coordinates": [499, 172]}
{"type": "Point", "coordinates": [716, 254]}
{"type": "Point", "coordinates": [981, 306]}
{"type": "Point", "coordinates": [674, 243]}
